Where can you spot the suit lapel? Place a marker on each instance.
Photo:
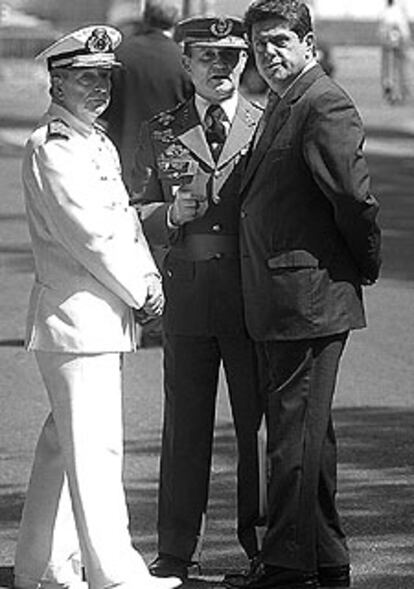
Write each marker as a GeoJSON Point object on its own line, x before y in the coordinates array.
{"type": "Point", "coordinates": [241, 131]}
{"type": "Point", "coordinates": [191, 134]}
{"type": "Point", "coordinates": [194, 139]}
{"type": "Point", "coordinates": [278, 118]}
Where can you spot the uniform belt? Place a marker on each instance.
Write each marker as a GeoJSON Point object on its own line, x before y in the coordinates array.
{"type": "Point", "coordinates": [203, 246]}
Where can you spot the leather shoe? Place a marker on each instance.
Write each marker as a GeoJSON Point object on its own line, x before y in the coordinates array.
{"type": "Point", "coordinates": [167, 565]}
{"type": "Point", "coordinates": [271, 577]}
{"type": "Point", "coordinates": [240, 579]}
{"type": "Point", "coordinates": [334, 576]}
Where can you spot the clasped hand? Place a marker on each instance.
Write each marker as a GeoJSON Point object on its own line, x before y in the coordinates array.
{"type": "Point", "coordinates": [154, 303]}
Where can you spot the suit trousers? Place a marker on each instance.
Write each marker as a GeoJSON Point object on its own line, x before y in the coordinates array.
{"type": "Point", "coordinates": [191, 372]}
{"type": "Point", "coordinates": [76, 502]}
{"type": "Point", "coordinates": [304, 531]}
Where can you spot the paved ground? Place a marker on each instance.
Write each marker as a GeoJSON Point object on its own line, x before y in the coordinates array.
{"type": "Point", "coordinates": [374, 406]}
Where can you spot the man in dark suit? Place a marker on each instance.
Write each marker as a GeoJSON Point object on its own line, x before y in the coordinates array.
{"type": "Point", "coordinates": [151, 80]}
{"type": "Point", "coordinates": [186, 183]}
{"type": "Point", "coordinates": [308, 242]}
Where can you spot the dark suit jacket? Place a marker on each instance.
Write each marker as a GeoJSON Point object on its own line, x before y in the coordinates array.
{"type": "Point", "coordinates": [203, 297]}
{"type": "Point", "coordinates": [308, 231]}
{"type": "Point", "coordinates": [151, 80]}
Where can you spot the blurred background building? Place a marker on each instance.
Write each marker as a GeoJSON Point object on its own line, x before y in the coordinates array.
{"type": "Point", "coordinates": [343, 21]}
{"type": "Point", "coordinates": [77, 12]}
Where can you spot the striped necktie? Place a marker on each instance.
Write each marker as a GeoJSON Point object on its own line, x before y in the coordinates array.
{"type": "Point", "coordinates": [215, 129]}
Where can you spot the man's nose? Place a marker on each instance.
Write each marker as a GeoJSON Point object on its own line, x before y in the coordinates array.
{"type": "Point", "coordinates": [269, 48]}
{"type": "Point", "coordinates": [103, 83]}
{"type": "Point", "coordinates": [219, 60]}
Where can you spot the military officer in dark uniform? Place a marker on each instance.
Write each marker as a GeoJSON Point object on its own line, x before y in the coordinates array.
{"type": "Point", "coordinates": [186, 181]}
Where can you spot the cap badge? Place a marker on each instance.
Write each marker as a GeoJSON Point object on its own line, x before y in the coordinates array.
{"type": "Point", "coordinates": [99, 41]}
{"type": "Point", "coordinates": [222, 27]}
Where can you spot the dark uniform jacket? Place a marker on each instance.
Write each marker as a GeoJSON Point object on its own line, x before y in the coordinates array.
{"type": "Point", "coordinates": [309, 237]}
{"type": "Point", "coordinates": [202, 269]}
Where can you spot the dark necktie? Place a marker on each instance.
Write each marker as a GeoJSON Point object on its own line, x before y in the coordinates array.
{"type": "Point", "coordinates": [215, 129]}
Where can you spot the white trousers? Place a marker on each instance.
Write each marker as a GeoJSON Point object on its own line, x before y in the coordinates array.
{"type": "Point", "coordinates": [76, 502]}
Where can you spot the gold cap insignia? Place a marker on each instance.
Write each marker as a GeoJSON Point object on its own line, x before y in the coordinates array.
{"type": "Point", "coordinates": [222, 27]}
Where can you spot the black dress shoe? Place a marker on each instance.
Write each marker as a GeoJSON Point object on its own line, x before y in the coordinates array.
{"type": "Point", "coordinates": [335, 576]}
{"type": "Point", "coordinates": [271, 577]}
{"type": "Point", "coordinates": [167, 565]}
{"type": "Point", "coordinates": [240, 579]}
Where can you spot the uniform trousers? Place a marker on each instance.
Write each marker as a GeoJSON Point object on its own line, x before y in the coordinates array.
{"type": "Point", "coordinates": [304, 530]}
{"type": "Point", "coordinates": [191, 372]}
{"type": "Point", "coordinates": [76, 502]}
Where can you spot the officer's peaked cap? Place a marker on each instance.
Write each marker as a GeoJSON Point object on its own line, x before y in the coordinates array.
{"type": "Point", "coordinates": [91, 46]}
{"type": "Point", "coordinates": [221, 31]}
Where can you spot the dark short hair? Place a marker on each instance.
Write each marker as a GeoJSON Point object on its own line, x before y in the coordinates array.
{"type": "Point", "coordinates": [160, 14]}
{"type": "Point", "coordinates": [295, 13]}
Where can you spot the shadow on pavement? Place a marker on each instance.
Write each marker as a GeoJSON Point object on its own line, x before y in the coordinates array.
{"type": "Point", "coordinates": [392, 181]}
{"type": "Point", "coordinates": [376, 496]}
{"type": "Point", "coordinates": [388, 132]}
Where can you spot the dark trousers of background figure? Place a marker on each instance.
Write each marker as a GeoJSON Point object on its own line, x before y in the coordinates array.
{"type": "Point", "coordinates": [191, 374]}
{"type": "Point", "coordinates": [394, 74]}
{"type": "Point", "coordinates": [304, 530]}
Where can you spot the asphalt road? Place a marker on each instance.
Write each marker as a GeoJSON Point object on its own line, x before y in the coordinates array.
{"type": "Point", "coordinates": [374, 410]}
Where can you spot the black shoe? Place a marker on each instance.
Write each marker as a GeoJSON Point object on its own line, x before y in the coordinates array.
{"type": "Point", "coordinates": [271, 577]}
{"type": "Point", "coordinates": [335, 576]}
{"type": "Point", "coordinates": [239, 580]}
{"type": "Point", "coordinates": [167, 565]}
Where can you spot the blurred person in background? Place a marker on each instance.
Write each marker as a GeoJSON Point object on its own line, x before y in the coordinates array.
{"type": "Point", "coordinates": [152, 78]}
{"type": "Point", "coordinates": [395, 38]}
{"type": "Point", "coordinates": [92, 266]}
{"type": "Point", "coordinates": [186, 182]}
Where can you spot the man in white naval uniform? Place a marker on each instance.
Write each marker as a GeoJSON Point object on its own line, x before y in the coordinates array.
{"type": "Point", "coordinates": [92, 267]}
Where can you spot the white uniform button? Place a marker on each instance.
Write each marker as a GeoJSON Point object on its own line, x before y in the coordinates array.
{"type": "Point", "coordinates": [216, 228]}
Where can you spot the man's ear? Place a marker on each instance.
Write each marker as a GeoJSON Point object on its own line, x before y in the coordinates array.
{"type": "Point", "coordinates": [186, 61]}
{"type": "Point", "coordinates": [310, 41]}
{"type": "Point", "coordinates": [56, 85]}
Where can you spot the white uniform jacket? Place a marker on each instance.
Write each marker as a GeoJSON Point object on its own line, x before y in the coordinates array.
{"type": "Point", "coordinates": [91, 257]}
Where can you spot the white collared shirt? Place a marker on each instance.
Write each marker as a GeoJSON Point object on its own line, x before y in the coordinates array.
{"type": "Point", "coordinates": [229, 106]}
{"type": "Point", "coordinates": [307, 67]}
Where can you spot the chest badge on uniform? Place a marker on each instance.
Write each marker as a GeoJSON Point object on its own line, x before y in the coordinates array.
{"type": "Point", "coordinates": [165, 119]}
{"type": "Point", "coordinates": [166, 136]}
